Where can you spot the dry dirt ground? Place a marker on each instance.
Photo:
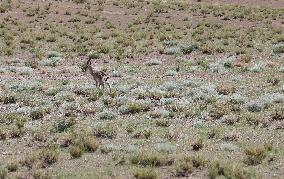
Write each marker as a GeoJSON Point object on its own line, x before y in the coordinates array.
{"type": "Point", "coordinates": [197, 89]}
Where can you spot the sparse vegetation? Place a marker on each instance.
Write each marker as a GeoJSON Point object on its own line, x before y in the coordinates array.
{"type": "Point", "coordinates": [195, 89]}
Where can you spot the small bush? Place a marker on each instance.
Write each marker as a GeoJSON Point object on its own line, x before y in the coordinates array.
{"type": "Point", "coordinates": [278, 49]}
{"type": "Point", "coordinates": [76, 151]}
{"type": "Point", "coordinates": [3, 134]}
{"type": "Point", "coordinates": [135, 107]}
{"type": "Point", "coordinates": [37, 114]}
{"type": "Point", "coordinates": [150, 159]}
{"type": "Point", "coordinates": [110, 148]}
{"type": "Point", "coordinates": [184, 168]}
{"type": "Point", "coordinates": [4, 7]}
{"type": "Point", "coordinates": [273, 81]}
{"type": "Point", "coordinates": [13, 166]}
{"type": "Point", "coordinates": [214, 133]}
{"type": "Point", "coordinates": [52, 62]}
{"type": "Point", "coordinates": [163, 122]}
{"type": "Point", "coordinates": [48, 157]}
{"type": "Point", "coordinates": [186, 165]}
{"type": "Point", "coordinates": [189, 49]}
{"type": "Point", "coordinates": [12, 117]}
{"type": "Point", "coordinates": [16, 132]}
{"type": "Point", "coordinates": [153, 62]}
{"type": "Point", "coordinates": [218, 110]}
{"type": "Point", "coordinates": [146, 133]}
{"type": "Point", "coordinates": [230, 119]}
{"type": "Point", "coordinates": [171, 50]}
{"type": "Point", "coordinates": [197, 145]}
{"type": "Point", "coordinates": [52, 54]}
{"type": "Point", "coordinates": [63, 124]}
{"type": "Point", "coordinates": [41, 174]}
{"type": "Point", "coordinates": [257, 68]}
{"type": "Point", "coordinates": [130, 128]}
{"type": "Point", "coordinates": [145, 173]}
{"type": "Point", "coordinates": [226, 89]}
{"type": "Point", "coordinates": [90, 144]}
{"type": "Point", "coordinates": [8, 99]}
{"type": "Point", "coordinates": [107, 115]}
{"type": "Point", "coordinates": [278, 114]}
{"type": "Point", "coordinates": [220, 168]}
{"type": "Point", "coordinates": [256, 154]}
{"type": "Point", "coordinates": [231, 136]}
{"type": "Point", "coordinates": [159, 113]}
{"type": "Point", "coordinates": [105, 131]}
{"type": "Point", "coordinates": [43, 158]}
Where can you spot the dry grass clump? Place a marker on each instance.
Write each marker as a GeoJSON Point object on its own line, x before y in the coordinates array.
{"type": "Point", "coordinates": [3, 134]}
{"type": "Point", "coordinates": [186, 165]}
{"type": "Point", "coordinates": [145, 173]}
{"type": "Point", "coordinates": [150, 158]}
{"type": "Point", "coordinates": [222, 168]}
{"type": "Point", "coordinates": [42, 159]}
{"type": "Point", "coordinates": [197, 145]}
{"type": "Point", "coordinates": [76, 151]}
{"type": "Point", "coordinates": [226, 89]}
{"type": "Point", "coordinates": [277, 114]}
{"type": "Point", "coordinates": [231, 136]}
{"type": "Point", "coordinates": [41, 174]}
{"type": "Point", "coordinates": [106, 131]}
{"type": "Point", "coordinates": [255, 154]}
{"type": "Point", "coordinates": [13, 166]}
{"type": "Point", "coordinates": [230, 119]}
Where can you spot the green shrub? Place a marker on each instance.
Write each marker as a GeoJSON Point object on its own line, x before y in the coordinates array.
{"type": "Point", "coordinates": [133, 107]}
{"type": "Point", "coordinates": [107, 115]}
{"type": "Point", "coordinates": [63, 124]}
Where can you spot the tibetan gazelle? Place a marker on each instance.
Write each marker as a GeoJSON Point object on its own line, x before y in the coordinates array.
{"type": "Point", "coordinates": [99, 76]}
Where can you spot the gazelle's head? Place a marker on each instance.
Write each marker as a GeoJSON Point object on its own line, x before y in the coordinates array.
{"type": "Point", "coordinates": [85, 66]}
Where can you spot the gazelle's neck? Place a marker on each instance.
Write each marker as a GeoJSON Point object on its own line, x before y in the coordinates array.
{"type": "Point", "coordinates": [89, 66]}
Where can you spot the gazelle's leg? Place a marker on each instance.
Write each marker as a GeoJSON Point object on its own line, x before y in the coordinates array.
{"type": "Point", "coordinates": [109, 86]}
{"type": "Point", "coordinates": [102, 85]}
